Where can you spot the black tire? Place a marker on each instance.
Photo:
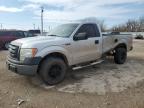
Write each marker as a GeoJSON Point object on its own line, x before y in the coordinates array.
{"type": "Point", "coordinates": [53, 70]}
{"type": "Point", "coordinates": [120, 55]}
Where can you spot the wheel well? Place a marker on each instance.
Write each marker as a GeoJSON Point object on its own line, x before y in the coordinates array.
{"type": "Point", "coordinates": [122, 46]}
{"type": "Point", "coordinates": [55, 54]}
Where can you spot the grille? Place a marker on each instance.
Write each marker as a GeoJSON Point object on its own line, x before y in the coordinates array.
{"type": "Point", "coordinates": [14, 51]}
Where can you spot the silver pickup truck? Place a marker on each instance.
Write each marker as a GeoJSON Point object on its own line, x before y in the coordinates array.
{"type": "Point", "coordinates": [67, 46]}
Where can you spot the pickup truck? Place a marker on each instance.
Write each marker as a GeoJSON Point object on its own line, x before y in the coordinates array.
{"type": "Point", "coordinates": [70, 45]}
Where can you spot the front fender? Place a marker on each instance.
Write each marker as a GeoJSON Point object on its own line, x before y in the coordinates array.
{"type": "Point", "coordinates": [55, 49]}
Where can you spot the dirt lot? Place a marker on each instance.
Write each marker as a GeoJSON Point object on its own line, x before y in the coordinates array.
{"type": "Point", "coordinates": [106, 85]}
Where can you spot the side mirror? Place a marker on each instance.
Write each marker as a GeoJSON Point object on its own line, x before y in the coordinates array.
{"type": "Point", "coordinates": [80, 36]}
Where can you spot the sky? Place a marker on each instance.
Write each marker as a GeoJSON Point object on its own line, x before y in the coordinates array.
{"type": "Point", "coordinates": [25, 14]}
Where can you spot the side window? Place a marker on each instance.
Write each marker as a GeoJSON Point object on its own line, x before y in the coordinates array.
{"type": "Point", "coordinates": [26, 34]}
{"type": "Point", "coordinates": [97, 31]}
{"type": "Point", "coordinates": [89, 29]}
{"type": "Point", "coordinates": [19, 34]}
{"type": "Point", "coordinates": [5, 33]}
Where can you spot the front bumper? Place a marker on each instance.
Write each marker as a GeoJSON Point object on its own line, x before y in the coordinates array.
{"type": "Point", "coordinates": [29, 68]}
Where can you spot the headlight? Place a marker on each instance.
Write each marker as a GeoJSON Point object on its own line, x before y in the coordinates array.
{"type": "Point", "coordinates": [31, 52]}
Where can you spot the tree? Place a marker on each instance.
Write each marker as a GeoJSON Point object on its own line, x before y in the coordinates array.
{"type": "Point", "coordinates": [141, 23]}
{"type": "Point", "coordinates": [130, 26]}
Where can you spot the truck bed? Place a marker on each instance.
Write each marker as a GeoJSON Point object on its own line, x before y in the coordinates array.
{"type": "Point", "coordinates": [110, 41]}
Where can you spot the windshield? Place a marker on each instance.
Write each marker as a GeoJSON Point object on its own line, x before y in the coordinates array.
{"type": "Point", "coordinates": [64, 30]}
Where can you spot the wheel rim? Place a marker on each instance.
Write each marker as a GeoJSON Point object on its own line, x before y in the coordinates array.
{"type": "Point", "coordinates": [55, 72]}
{"type": "Point", "coordinates": [123, 56]}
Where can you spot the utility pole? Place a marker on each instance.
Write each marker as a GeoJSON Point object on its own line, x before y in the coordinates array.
{"type": "Point", "coordinates": [42, 10]}
{"type": "Point", "coordinates": [49, 28]}
{"type": "Point", "coordinates": [34, 26]}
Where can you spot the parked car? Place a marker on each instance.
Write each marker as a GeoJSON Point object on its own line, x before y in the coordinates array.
{"type": "Point", "coordinates": [34, 32]}
{"type": "Point", "coordinates": [6, 36]}
{"type": "Point", "coordinates": [72, 45]}
{"type": "Point", "coordinates": [139, 37]}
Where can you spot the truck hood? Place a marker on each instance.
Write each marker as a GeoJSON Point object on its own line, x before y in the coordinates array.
{"type": "Point", "coordinates": [40, 41]}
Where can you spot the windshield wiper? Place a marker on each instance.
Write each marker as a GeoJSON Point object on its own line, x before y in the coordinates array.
{"type": "Point", "coordinates": [55, 35]}
{"type": "Point", "coordinates": [52, 35]}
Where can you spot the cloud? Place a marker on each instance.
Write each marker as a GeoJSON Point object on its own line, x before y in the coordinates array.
{"type": "Point", "coordinates": [67, 10]}
{"type": "Point", "coordinates": [112, 11]}
{"type": "Point", "coordinates": [50, 1]}
{"type": "Point", "coordinates": [80, 2]}
{"type": "Point", "coordinates": [21, 9]}
{"type": "Point", "coordinates": [30, 6]}
{"type": "Point", "coordinates": [83, 8]}
{"type": "Point", "coordinates": [85, 11]}
{"type": "Point", "coordinates": [10, 9]}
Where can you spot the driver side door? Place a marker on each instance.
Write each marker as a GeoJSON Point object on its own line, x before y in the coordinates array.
{"type": "Point", "coordinates": [87, 49]}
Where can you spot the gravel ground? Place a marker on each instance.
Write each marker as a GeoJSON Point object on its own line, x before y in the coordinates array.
{"type": "Point", "coordinates": [106, 85]}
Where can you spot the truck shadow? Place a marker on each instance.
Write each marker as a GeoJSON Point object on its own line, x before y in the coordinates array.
{"type": "Point", "coordinates": [74, 76]}
{"type": "Point", "coordinates": [97, 78]}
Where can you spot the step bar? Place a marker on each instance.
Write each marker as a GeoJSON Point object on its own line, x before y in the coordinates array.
{"type": "Point", "coordinates": [91, 64]}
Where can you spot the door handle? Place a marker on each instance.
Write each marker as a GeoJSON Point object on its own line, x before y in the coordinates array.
{"type": "Point", "coordinates": [68, 44]}
{"type": "Point", "coordinates": [96, 41]}
{"type": "Point", "coordinates": [116, 40]}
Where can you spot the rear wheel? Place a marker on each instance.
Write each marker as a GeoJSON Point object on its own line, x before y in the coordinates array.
{"type": "Point", "coordinates": [120, 55]}
{"type": "Point", "coordinates": [53, 70]}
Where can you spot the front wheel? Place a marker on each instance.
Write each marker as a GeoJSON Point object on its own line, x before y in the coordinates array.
{"type": "Point", "coordinates": [120, 55]}
{"type": "Point", "coordinates": [53, 70]}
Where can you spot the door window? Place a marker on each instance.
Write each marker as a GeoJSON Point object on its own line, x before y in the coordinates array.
{"type": "Point", "coordinates": [89, 29]}
{"type": "Point", "coordinates": [19, 34]}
